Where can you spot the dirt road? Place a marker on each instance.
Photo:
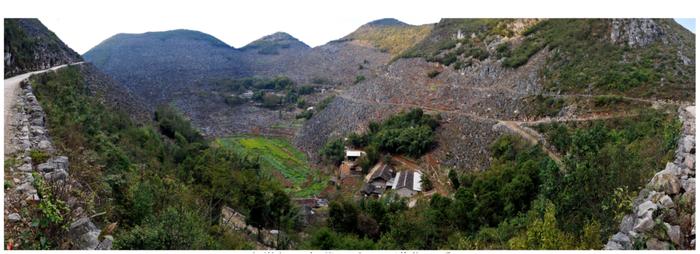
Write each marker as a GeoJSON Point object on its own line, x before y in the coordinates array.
{"type": "Point", "coordinates": [11, 93]}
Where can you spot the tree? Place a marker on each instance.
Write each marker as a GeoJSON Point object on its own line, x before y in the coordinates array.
{"type": "Point", "coordinates": [425, 183]}
{"type": "Point", "coordinates": [333, 151]}
{"type": "Point", "coordinates": [453, 178]}
{"type": "Point", "coordinates": [543, 234]}
{"type": "Point", "coordinates": [343, 216]}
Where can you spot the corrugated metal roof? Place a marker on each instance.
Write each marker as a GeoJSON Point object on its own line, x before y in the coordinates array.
{"type": "Point", "coordinates": [408, 179]}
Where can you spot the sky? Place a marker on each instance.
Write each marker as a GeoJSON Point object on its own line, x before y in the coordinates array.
{"type": "Point", "coordinates": [83, 24]}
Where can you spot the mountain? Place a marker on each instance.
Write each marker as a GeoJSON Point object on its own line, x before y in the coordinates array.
{"type": "Point", "coordinates": [156, 64]}
{"type": "Point", "coordinates": [30, 46]}
{"type": "Point", "coordinates": [272, 44]}
{"type": "Point", "coordinates": [183, 67]}
{"type": "Point", "coordinates": [390, 35]}
{"type": "Point", "coordinates": [480, 72]}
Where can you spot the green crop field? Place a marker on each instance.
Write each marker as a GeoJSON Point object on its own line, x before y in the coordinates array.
{"type": "Point", "coordinates": [278, 155]}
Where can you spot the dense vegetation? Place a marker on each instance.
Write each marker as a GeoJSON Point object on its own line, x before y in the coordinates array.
{"type": "Point", "coordinates": [523, 200]}
{"type": "Point", "coordinates": [160, 181]}
{"type": "Point", "coordinates": [410, 133]}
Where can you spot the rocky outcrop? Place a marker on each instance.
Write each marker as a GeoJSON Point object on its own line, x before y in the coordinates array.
{"type": "Point", "coordinates": [30, 46]}
{"type": "Point", "coordinates": [636, 32]}
{"type": "Point", "coordinates": [663, 213]}
{"type": "Point", "coordinates": [30, 136]}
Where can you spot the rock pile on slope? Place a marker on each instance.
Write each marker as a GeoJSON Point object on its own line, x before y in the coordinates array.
{"type": "Point", "coordinates": [29, 134]}
{"type": "Point", "coordinates": [664, 212]}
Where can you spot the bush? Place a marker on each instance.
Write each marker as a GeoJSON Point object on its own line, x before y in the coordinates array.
{"type": "Point", "coordinates": [358, 79]}
{"type": "Point", "coordinates": [306, 114]}
{"type": "Point", "coordinates": [38, 156]}
{"type": "Point", "coordinates": [433, 73]}
{"type": "Point", "coordinates": [333, 151]}
{"type": "Point", "coordinates": [233, 100]}
{"type": "Point", "coordinates": [425, 183]}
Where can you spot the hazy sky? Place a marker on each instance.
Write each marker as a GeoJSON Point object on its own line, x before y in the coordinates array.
{"type": "Point", "coordinates": [83, 24]}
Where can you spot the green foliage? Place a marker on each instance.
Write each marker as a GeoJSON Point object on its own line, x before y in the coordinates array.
{"type": "Point", "coordinates": [306, 114]}
{"type": "Point", "coordinates": [324, 103]}
{"type": "Point", "coordinates": [326, 239]}
{"type": "Point", "coordinates": [333, 151]}
{"type": "Point", "coordinates": [172, 123]}
{"type": "Point", "coordinates": [425, 183]}
{"type": "Point", "coordinates": [176, 228]}
{"type": "Point", "coordinates": [38, 156]}
{"type": "Point", "coordinates": [161, 182]}
{"type": "Point", "coordinates": [433, 73]}
{"type": "Point", "coordinates": [602, 157]}
{"type": "Point", "coordinates": [543, 234]}
{"type": "Point", "coordinates": [547, 106]}
{"type": "Point", "coordinates": [358, 79]}
{"type": "Point", "coordinates": [278, 157]}
{"type": "Point", "coordinates": [410, 133]}
{"type": "Point", "coordinates": [454, 179]}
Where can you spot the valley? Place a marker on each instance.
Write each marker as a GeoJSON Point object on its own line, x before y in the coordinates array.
{"type": "Point", "coordinates": [463, 134]}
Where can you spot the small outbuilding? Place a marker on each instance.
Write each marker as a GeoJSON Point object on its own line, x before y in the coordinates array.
{"type": "Point", "coordinates": [407, 183]}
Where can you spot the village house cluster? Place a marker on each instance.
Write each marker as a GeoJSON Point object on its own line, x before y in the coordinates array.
{"type": "Point", "coordinates": [382, 177]}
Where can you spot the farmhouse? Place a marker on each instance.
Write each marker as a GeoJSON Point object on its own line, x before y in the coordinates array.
{"type": "Point", "coordinates": [380, 179]}
{"type": "Point", "coordinates": [407, 183]}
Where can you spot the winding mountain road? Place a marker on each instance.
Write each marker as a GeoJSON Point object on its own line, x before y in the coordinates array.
{"type": "Point", "coordinates": [11, 94]}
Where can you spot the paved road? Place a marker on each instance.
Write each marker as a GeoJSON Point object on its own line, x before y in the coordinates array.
{"type": "Point", "coordinates": [11, 93]}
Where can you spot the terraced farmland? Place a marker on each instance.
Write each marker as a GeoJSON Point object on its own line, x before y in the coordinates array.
{"type": "Point", "coordinates": [280, 160]}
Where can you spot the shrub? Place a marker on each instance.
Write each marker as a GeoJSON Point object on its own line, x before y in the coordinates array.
{"type": "Point", "coordinates": [433, 73]}
{"type": "Point", "coordinates": [333, 151]}
{"type": "Point", "coordinates": [425, 183]}
{"type": "Point", "coordinates": [38, 156]}
{"type": "Point", "coordinates": [358, 79]}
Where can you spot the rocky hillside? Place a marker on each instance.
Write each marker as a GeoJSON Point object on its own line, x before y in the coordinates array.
{"type": "Point", "coordinates": [156, 65]}
{"type": "Point", "coordinates": [389, 35]}
{"type": "Point", "coordinates": [271, 44]}
{"type": "Point", "coordinates": [491, 70]}
{"type": "Point", "coordinates": [30, 46]}
{"type": "Point", "coordinates": [182, 66]}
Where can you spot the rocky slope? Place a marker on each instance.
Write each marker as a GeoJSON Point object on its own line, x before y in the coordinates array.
{"type": "Point", "coordinates": [178, 66]}
{"type": "Point", "coordinates": [664, 212]}
{"type": "Point", "coordinates": [466, 68]}
{"type": "Point", "coordinates": [156, 65]}
{"type": "Point", "coordinates": [30, 46]}
{"type": "Point", "coordinates": [29, 135]}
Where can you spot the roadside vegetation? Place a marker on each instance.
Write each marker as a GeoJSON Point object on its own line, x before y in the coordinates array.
{"type": "Point", "coordinates": [161, 181]}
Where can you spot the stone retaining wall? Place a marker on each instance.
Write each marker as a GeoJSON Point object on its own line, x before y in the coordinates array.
{"type": "Point", "coordinates": [663, 215]}
{"type": "Point", "coordinates": [29, 133]}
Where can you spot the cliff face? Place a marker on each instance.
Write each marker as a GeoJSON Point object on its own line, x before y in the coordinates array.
{"type": "Point", "coordinates": [30, 46]}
